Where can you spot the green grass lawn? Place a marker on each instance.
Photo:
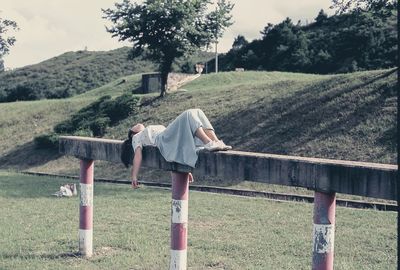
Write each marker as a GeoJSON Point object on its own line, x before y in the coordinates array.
{"type": "Point", "coordinates": [132, 230]}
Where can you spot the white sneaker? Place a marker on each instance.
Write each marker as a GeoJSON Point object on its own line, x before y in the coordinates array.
{"type": "Point", "coordinates": [212, 146]}
{"type": "Point", "coordinates": [223, 145]}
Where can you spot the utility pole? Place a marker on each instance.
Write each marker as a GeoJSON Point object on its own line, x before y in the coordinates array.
{"type": "Point", "coordinates": [218, 21]}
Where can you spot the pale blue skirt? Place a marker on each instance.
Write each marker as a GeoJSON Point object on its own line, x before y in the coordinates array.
{"type": "Point", "coordinates": [178, 143]}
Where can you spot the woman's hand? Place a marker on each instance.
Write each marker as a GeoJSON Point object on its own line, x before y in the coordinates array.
{"type": "Point", "coordinates": [191, 179]}
{"type": "Point", "coordinates": [135, 184]}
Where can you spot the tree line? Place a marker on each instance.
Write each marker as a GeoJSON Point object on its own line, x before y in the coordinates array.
{"type": "Point", "coordinates": [362, 39]}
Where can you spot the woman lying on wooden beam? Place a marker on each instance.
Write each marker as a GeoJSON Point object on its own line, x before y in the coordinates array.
{"type": "Point", "coordinates": [179, 142]}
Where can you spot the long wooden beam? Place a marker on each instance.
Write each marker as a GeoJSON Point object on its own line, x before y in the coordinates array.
{"type": "Point", "coordinates": [324, 175]}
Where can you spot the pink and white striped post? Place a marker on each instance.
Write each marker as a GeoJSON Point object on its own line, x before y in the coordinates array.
{"type": "Point", "coordinates": [179, 220]}
{"type": "Point", "coordinates": [324, 230]}
{"type": "Point", "coordinates": [86, 208]}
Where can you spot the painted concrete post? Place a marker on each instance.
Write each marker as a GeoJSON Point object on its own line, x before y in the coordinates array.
{"type": "Point", "coordinates": [86, 208]}
{"type": "Point", "coordinates": [179, 220]}
{"type": "Point", "coordinates": [324, 230]}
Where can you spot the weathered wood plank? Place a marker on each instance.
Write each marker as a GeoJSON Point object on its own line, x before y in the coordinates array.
{"type": "Point", "coordinates": [326, 175]}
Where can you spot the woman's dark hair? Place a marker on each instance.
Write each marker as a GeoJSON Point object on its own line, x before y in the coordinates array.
{"type": "Point", "coordinates": [127, 150]}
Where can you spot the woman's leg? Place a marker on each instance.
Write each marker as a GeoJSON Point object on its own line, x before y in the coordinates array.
{"type": "Point", "coordinates": [202, 135]}
{"type": "Point", "coordinates": [196, 119]}
{"type": "Point", "coordinates": [211, 134]}
{"type": "Point", "coordinates": [202, 118]}
{"type": "Point", "coordinates": [205, 127]}
{"type": "Point", "coordinates": [209, 130]}
{"type": "Point", "coordinates": [199, 125]}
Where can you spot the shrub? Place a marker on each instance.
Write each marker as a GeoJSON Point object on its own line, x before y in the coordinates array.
{"type": "Point", "coordinates": [47, 141]}
{"type": "Point", "coordinates": [83, 133]}
{"type": "Point", "coordinates": [96, 117]}
{"type": "Point", "coordinates": [120, 108]}
{"type": "Point", "coordinates": [64, 127]}
{"type": "Point", "coordinates": [98, 126]}
{"type": "Point", "coordinates": [23, 92]}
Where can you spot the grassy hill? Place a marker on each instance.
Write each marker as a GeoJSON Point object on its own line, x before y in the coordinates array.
{"type": "Point", "coordinates": [350, 116]}
{"type": "Point", "coordinates": [69, 74]}
{"type": "Point", "coordinates": [74, 73]}
{"type": "Point", "coordinates": [22, 121]}
{"type": "Point", "coordinates": [347, 116]}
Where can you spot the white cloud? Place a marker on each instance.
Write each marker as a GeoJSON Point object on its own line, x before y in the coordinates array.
{"type": "Point", "coordinates": [49, 27]}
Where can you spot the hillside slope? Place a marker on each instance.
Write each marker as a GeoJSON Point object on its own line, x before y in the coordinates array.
{"type": "Point", "coordinates": [74, 73]}
{"type": "Point", "coordinates": [349, 116]}
{"type": "Point", "coordinates": [69, 74]}
{"type": "Point", "coordinates": [22, 121]}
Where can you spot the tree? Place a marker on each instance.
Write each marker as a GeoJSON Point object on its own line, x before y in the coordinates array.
{"type": "Point", "coordinates": [267, 29]}
{"type": "Point", "coordinates": [380, 6]}
{"type": "Point", "coordinates": [285, 47]}
{"type": "Point", "coordinates": [218, 21]}
{"type": "Point", "coordinates": [6, 41]}
{"type": "Point", "coordinates": [162, 30]}
{"type": "Point", "coordinates": [321, 18]}
{"type": "Point", "coordinates": [239, 42]}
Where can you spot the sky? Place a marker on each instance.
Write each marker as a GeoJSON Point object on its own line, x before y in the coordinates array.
{"type": "Point", "coordinates": [51, 27]}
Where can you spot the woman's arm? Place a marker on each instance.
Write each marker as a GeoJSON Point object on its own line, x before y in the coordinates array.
{"type": "Point", "coordinates": [137, 162]}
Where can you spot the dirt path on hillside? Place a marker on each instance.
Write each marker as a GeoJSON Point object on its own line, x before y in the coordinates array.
{"type": "Point", "coordinates": [177, 80]}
